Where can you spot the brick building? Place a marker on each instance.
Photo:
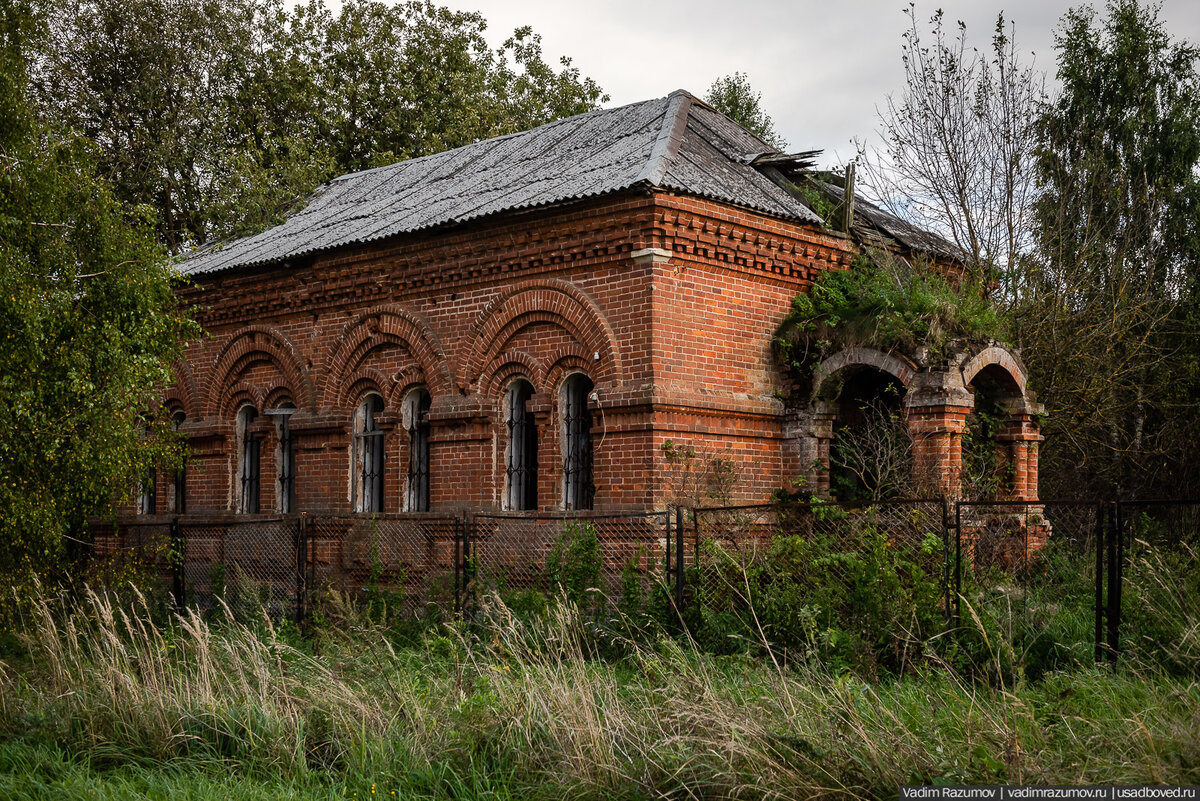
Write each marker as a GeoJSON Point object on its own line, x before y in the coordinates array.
{"type": "Point", "coordinates": [531, 322]}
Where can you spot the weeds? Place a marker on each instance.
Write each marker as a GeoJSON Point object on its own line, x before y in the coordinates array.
{"type": "Point", "coordinates": [526, 707]}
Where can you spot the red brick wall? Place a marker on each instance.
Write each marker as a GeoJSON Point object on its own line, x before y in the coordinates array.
{"type": "Point", "coordinates": [668, 303]}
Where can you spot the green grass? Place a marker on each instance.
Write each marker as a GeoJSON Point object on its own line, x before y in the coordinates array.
{"type": "Point", "coordinates": [107, 703]}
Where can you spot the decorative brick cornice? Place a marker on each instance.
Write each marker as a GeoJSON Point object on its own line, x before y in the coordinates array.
{"type": "Point", "coordinates": [495, 251]}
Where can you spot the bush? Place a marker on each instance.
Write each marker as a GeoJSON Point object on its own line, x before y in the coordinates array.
{"type": "Point", "coordinates": [888, 304]}
{"type": "Point", "coordinates": [833, 584]}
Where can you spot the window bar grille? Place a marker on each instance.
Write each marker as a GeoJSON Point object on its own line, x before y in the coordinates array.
{"type": "Point", "coordinates": [522, 450]}
{"type": "Point", "coordinates": [287, 467]}
{"type": "Point", "coordinates": [418, 455]}
{"type": "Point", "coordinates": [371, 442]}
{"type": "Point", "coordinates": [577, 464]}
{"type": "Point", "coordinates": [250, 465]}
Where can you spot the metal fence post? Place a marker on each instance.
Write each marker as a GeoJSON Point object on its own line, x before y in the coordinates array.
{"type": "Point", "coordinates": [1115, 553]}
{"type": "Point", "coordinates": [667, 563]}
{"type": "Point", "coordinates": [177, 564]}
{"type": "Point", "coordinates": [464, 569]}
{"type": "Point", "coordinates": [1102, 528]}
{"type": "Point", "coordinates": [958, 562]}
{"type": "Point", "coordinates": [946, 557]}
{"type": "Point", "coordinates": [679, 558]}
{"type": "Point", "coordinates": [457, 559]}
{"type": "Point", "coordinates": [301, 567]}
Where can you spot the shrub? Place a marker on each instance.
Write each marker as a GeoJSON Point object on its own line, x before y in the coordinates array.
{"type": "Point", "coordinates": [832, 584]}
{"type": "Point", "coordinates": [885, 303]}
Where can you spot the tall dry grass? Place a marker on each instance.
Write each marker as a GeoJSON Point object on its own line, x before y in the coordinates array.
{"type": "Point", "coordinates": [526, 708]}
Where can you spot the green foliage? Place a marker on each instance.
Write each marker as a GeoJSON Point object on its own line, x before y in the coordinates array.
{"type": "Point", "coordinates": [817, 201]}
{"type": "Point", "coordinates": [1107, 317]}
{"type": "Point", "coordinates": [222, 114]}
{"type": "Point", "coordinates": [574, 565]}
{"type": "Point", "coordinates": [839, 589]}
{"type": "Point", "coordinates": [1119, 150]}
{"type": "Point", "coordinates": [986, 471]}
{"type": "Point", "coordinates": [90, 327]}
{"type": "Point", "coordinates": [884, 303]}
{"type": "Point", "coordinates": [96, 707]}
{"type": "Point", "coordinates": [733, 96]}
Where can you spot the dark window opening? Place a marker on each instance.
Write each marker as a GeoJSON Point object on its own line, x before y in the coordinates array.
{"type": "Point", "coordinates": [521, 469]}
{"type": "Point", "coordinates": [578, 484]}
{"type": "Point", "coordinates": [251, 451]}
{"type": "Point", "coordinates": [369, 443]}
{"type": "Point", "coordinates": [146, 501]}
{"type": "Point", "coordinates": [179, 485]}
{"type": "Point", "coordinates": [418, 451]}
{"type": "Point", "coordinates": [285, 458]}
{"type": "Point", "coordinates": [870, 457]}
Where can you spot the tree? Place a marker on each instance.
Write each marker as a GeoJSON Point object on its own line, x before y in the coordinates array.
{"type": "Point", "coordinates": [222, 114]}
{"type": "Point", "coordinates": [958, 153]}
{"type": "Point", "coordinates": [1110, 319]}
{"type": "Point", "coordinates": [733, 96]}
{"type": "Point", "coordinates": [90, 326]}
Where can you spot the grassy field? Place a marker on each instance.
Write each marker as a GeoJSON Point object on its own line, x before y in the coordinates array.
{"type": "Point", "coordinates": [116, 702]}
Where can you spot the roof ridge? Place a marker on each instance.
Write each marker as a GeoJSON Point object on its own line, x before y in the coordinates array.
{"type": "Point", "coordinates": [670, 136]}
{"type": "Point", "coordinates": [495, 139]}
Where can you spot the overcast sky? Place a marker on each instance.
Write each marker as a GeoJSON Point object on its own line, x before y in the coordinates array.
{"type": "Point", "coordinates": [823, 68]}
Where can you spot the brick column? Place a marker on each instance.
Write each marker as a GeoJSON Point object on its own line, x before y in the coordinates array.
{"type": "Point", "coordinates": [936, 409]}
{"type": "Point", "coordinates": [1020, 437]}
{"type": "Point", "coordinates": [808, 434]}
{"type": "Point", "coordinates": [208, 479]}
{"type": "Point", "coordinates": [549, 455]}
{"type": "Point", "coordinates": [321, 443]}
{"type": "Point", "coordinates": [461, 456]}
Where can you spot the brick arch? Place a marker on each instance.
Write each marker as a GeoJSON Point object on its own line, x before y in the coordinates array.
{"type": "Point", "coordinates": [899, 368]}
{"type": "Point", "coordinates": [387, 324]}
{"type": "Point", "coordinates": [185, 391]}
{"type": "Point", "coordinates": [242, 393]}
{"type": "Point", "coordinates": [363, 382]}
{"type": "Point", "coordinates": [405, 381]}
{"type": "Point", "coordinates": [509, 363]}
{"type": "Point", "coordinates": [252, 343]}
{"type": "Point", "coordinates": [1001, 357]}
{"type": "Point", "coordinates": [276, 396]}
{"type": "Point", "coordinates": [566, 362]}
{"type": "Point", "coordinates": [554, 301]}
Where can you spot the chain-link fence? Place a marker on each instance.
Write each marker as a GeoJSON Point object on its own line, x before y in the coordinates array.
{"type": "Point", "coordinates": [1027, 582]}
{"type": "Point", "coordinates": [859, 583]}
{"type": "Point", "coordinates": [254, 564]}
{"type": "Point", "coordinates": [595, 559]}
{"type": "Point", "coordinates": [1027, 585]}
{"type": "Point", "coordinates": [410, 562]}
{"type": "Point", "coordinates": [143, 553]}
{"type": "Point", "coordinates": [1155, 614]}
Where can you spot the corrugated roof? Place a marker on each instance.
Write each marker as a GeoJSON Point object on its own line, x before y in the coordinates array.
{"type": "Point", "coordinates": [676, 143]}
{"type": "Point", "coordinates": [870, 221]}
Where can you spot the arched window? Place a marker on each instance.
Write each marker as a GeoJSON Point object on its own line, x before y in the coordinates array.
{"type": "Point", "coordinates": [368, 448]}
{"type": "Point", "coordinates": [521, 463]}
{"type": "Point", "coordinates": [416, 414]}
{"type": "Point", "coordinates": [177, 502]}
{"type": "Point", "coordinates": [578, 487]}
{"type": "Point", "coordinates": [248, 459]}
{"type": "Point", "coordinates": [285, 458]}
{"type": "Point", "coordinates": [146, 500]}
